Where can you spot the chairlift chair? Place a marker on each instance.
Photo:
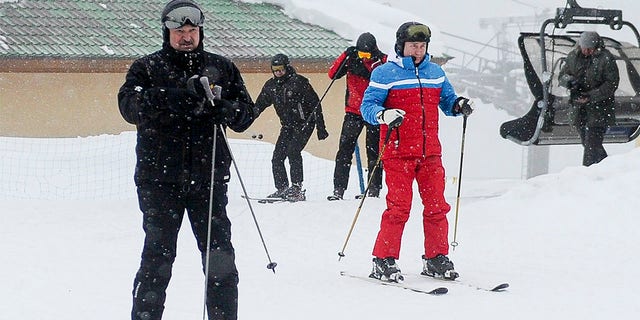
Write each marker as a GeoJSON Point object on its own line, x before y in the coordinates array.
{"type": "Point", "coordinates": [547, 122]}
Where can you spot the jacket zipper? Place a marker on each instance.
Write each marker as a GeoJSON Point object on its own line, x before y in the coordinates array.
{"type": "Point", "coordinates": [301, 111]}
{"type": "Point", "coordinates": [424, 131]}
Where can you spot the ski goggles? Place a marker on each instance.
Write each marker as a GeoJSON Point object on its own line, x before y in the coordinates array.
{"type": "Point", "coordinates": [418, 33]}
{"type": "Point", "coordinates": [181, 16]}
{"type": "Point", "coordinates": [364, 55]}
{"type": "Point", "coordinates": [277, 68]}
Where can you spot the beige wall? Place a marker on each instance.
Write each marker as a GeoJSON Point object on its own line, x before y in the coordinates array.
{"type": "Point", "coordinates": [85, 104]}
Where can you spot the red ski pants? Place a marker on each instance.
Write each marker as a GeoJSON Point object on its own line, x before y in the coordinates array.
{"type": "Point", "coordinates": [399, 176]}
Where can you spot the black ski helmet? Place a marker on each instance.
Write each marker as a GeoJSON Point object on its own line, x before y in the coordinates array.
{"type": "Point", "coordinates": [280, 59]}
{"type": "Point", "coordinates": [411, 32]}
{"type": "Point", "coordinates": [175, 4]}
{"type": "Point", "coordinates": [366, 42]}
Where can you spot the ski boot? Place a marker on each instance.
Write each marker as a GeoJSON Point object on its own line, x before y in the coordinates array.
{"type": "Point", "coordinates": [438, 267]}
{"type": "Point", "coordinates": [279, 194]}
{"type": "Point", "coordinates": [373, 192]}
{"type": "Point", "coordinates": [295, 193]}
{"type": "Point", "coordinates": [386, 270]}
{"type": "Point", "coordinates": [337, 194]}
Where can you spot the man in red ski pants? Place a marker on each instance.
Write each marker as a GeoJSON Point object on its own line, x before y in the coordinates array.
{"type": "Point", "coordinates": [404, 96]}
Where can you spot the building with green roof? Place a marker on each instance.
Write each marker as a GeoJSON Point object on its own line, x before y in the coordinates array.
{"type": "Point", "coordinates": [63, 61]}
{"type": "Point", "coordinates": [105, 35]}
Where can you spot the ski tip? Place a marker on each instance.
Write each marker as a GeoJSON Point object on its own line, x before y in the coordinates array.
{"type": "Point", "coordinates": [439, 291]}
{"type": "Point", "coordinates": [500, 287]}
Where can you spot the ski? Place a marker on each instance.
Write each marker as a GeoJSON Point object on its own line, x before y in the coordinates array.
{"type": "Point", "coordinates": [270, 200]}
{"type": "Point", "coordinates": [496, 288]}
{"type": "Point", "coordinates": [360, 196]}
{"type": "Point", "coordinates": [265, 200]}
{"type": "Point", "coordinates": [435, 292]}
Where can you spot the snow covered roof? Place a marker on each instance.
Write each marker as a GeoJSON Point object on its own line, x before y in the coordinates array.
{"type": "Point", "coordinates": [127, 29]}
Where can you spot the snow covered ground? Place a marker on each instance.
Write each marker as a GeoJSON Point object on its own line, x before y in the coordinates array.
{"type": "Point", "coordinates": [564, 241]}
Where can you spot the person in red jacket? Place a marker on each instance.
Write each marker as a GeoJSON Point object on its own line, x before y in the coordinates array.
{"type": "Point", "coordinates": [403, 97]}
{"type": "Point", "coordinates": [356, 63]}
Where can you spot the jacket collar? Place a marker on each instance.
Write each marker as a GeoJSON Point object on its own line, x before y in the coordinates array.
{"type": "Point", "coordinates": [407, 62]}
{"type": "Point", "coordinates": [188, 61]}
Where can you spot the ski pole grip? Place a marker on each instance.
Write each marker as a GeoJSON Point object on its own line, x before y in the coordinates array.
{"type": "Point", "coordinates": [396, 123]}
{"type": "Point", "coordinates": [204, 81]}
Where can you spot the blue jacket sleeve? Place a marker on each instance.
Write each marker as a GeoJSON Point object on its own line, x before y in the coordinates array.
{"type": "Point", "coordinates": [448, 97]}
{"type": "Point", "coordinates": [374, 97]}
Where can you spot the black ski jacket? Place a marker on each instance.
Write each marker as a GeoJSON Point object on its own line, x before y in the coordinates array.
{"type": "Point", "coordinates": [294, 99]}
{"type": "Point", "coordinates": [175, 141]}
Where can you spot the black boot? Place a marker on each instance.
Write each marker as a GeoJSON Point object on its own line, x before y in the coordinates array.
{"type": "Point", "coordinates": [337, 194]}
{"type": "Point", "coordinates": [295, 193]}
{"type": "Point", "coordinates": [386, 269]}
{"type": "Point", "coordinates": [280, 193]}
{"type": "Point", "coordinates": [439, 267]}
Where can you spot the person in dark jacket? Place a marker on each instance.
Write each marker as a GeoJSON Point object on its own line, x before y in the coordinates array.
{"type": "Point", "coordinates": [356, 63]}
{"type": "Point", "coordinates": [298, 107]}
{"type": "Point", "coordinates": [404, 96]}
{"type": "Point", "coordinates": [591, 75]}
{"type": "Point", "coordinates": [165, 96]}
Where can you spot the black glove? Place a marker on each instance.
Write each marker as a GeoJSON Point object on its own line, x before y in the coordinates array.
{"type": "Point", "coordinates": [175, 99]}
{"type": "Point", "coordinates": [223, 111]}
{"type": "Point", "coordinates": [574, 85]}
{"type": "Point", "coordinates": [351, 51]}
{"type": "Point", "coordinates": [322, 133]}
{"type": "Point", "coordinates": [198, 86]}
{"type": "Point", "coordinates": [463, 105]}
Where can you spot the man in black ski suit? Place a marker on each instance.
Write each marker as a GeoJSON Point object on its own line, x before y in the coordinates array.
{"type": "Point", "coordinates": [298, 107]}
{"type": "Point", "coordinates": [165, 96]}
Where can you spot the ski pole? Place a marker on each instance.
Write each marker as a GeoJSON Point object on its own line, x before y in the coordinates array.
{"type": "Point", "coordinates": [359, 167]}
{"type": "Point", "coordinates": [208, 253]}
{"type": "Point", "coordinates": [271, 265]}
{"type": "Point", "coordinates": [211, 96]}
{"type": "Point", "coordinates": [455, 225]}
{"type": "Point", "coordinates": [393, 125]}
{"type": "Point", "coordinates": [315, 108]}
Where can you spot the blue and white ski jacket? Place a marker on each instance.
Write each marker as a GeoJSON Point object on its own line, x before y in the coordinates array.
{"type": "Point", "coordinates": [419, 91]}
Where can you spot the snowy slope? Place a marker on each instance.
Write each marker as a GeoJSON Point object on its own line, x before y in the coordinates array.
{"type": "Point", "coordinates": [565, 242]}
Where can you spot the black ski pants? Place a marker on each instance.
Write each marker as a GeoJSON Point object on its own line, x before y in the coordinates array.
{"type": "Point", "coordinates": [592, 139]}
{"type": "Point", "coordinates": [163, 207]}
{"type": "Point", "coordinates": [290, 144]}
{"type": "Point", "coordinates": [351, 129]}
